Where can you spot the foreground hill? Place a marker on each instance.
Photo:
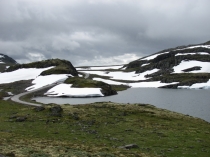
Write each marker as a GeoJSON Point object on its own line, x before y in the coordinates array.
{"type": "Point", "coordinates": [100, 130]}
{"type": "Point", "coordinates": [180, 67]}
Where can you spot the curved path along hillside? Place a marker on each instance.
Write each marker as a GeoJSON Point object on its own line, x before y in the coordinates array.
{"type": "Point", "coordinates": [16, 98]}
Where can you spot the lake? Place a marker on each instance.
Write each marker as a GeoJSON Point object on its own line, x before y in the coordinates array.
{"type": "Point", "coordinates": [195, 103]}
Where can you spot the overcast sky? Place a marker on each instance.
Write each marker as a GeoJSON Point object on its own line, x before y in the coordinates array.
{"type": "Point", "coordinates": [99, 32]}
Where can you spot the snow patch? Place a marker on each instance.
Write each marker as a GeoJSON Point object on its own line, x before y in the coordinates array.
{"type": "Point", "coordinates": [153, 56]}
{"type": "Point", "coordinates": [21, 74]}
{"type": "Point", "coordinates": [197, 86]}
{"type": "Point", "coordinates": [101, 67]}
{"type": "Point", "coordinates": [42, 81]}
{"type": "Point", "coordinates": [145, 64]}
{"type": "Point", "coordinates": [111, 82]}
{"type": "Point", "coordinates": [197, 53]}
{"type": "Point", "coordinates": [67, 90]}
{"type": "Point", "coordinates": [123, 75]}
{"type": "Point", "coordinates": [154, 84]}
{"type": "Point", "coordinates": [205, 66]}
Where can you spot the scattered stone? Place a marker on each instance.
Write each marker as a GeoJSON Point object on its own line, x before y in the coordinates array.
{"type": "Point", "coordinates": [21, 119]}
{"type": "Point", "coordinates": [56, 111]}
{"type": "Point", "coordinates": [39, 108]}
{"type": "Point", "coordinates": [10, 154]}
{"type": "Point", "coordinates": [13, 117]}
{"type": "Point", "coordinates": [129, 146]}
{"type": "Point", "coordinates": [2, 155]}
{"type": "Point", "coordinates": [75, 116]}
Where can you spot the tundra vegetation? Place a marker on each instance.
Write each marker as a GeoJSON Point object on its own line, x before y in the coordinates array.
{"type": "Point", "coordinates": [100, 129]}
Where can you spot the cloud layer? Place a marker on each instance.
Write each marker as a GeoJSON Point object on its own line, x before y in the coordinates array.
{"type": "Point", "coordinates": [96, 32]}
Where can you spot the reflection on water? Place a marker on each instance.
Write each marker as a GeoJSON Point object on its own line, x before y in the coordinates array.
{"type": "Point", "coordinates": [192, 102]}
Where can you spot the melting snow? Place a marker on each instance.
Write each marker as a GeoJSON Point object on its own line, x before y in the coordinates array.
{"type": "Point", "coordinates": [124, 75]}
{"type": "Point", "coordinates": [21, 74]}
{"type": "Point", "coordinates": [41, 81]}
{"type": "Point", "coordinates": [154, 84]}
{"type": "Point", "coordinates": [205, 66]}
{"type": "Point", "coordinates": [145, 64]}
{"type": "Point", "coordinates": [197, 53]}
{"type": "Point", "coordinates": [67, 90]}
{"type": "Point", "coordinates": [198, 86]}
{"type": "Point", "coordinates": [191, 47]}
{"type": "Point", "coordinates": [101, 68]}
{"type": "Point", "coordinates": [153, 56]}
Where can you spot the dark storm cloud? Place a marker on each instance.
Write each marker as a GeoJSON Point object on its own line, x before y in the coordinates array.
{"type": "Point", "coordinates": [99, 31]}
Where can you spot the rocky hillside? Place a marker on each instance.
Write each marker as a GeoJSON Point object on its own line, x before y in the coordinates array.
{"type": "Point", "coordinates": [6, 61]}
{"type": "Point", "coordinates": [60, 67]}
{"type": "Point", "coordinates": [180, 67]}
{"type": "Point", "coordinates": [193, 60]}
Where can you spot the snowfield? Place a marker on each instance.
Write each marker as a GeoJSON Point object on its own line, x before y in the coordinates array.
{"type": "Point", "coordinates": [153, 56]}
{"type": "Point", "coordinates": [198, 86]}
{"type": "Point", "coordinates": [42, 81]}
{"type": "Point", "coordinates": [205, 67]}
{"type": "Point", "coordinates": [197, 53]}
{"type": "Point", "coordinates": [21, 74]}
{"type": "Point", "coordinates": [154, 84]}
{"type": "Point", "coordinates": [67, 90]}
{"type": "Point", "coordinates": [101, 68]}
{"type": "Point", "coordinates": [123, 75]}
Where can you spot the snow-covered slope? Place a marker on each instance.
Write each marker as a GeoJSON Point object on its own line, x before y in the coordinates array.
{"type": "Point", "coordinates": [181, 67]}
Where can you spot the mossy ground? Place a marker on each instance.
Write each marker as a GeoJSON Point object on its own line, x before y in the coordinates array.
{"type": "Point", "coordinates": [99, 129]}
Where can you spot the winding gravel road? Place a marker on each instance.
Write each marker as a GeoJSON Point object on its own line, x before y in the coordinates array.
{"type": "Point", "coordinates": [16, 98]}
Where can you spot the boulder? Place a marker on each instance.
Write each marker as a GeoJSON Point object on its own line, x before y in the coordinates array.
{"type": "Point", "coordinates": [56, 111]}
{"type": "Point", "coordinates": [129, 146]}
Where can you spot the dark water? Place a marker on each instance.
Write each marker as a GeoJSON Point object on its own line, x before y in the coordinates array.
{"type": "Point", "coordinates": [195, 103]}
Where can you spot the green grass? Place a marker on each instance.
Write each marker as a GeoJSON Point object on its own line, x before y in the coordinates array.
{"type": "Point", "coordinates": [99, 129]}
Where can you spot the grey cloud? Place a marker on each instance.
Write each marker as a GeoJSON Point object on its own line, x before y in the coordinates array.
{"type": "Point", "coordinates": [88, 31]}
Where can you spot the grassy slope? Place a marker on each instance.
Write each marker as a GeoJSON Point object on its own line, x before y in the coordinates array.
{"type": "Point", "coordinates": [99, 129]}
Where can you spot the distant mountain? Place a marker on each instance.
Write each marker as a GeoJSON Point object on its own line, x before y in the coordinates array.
{"type": "Point", "coordinates": [6, 61]}
{"type": "Point", "coordinates": [180, 67]}
{"type": "Point", "coordinates": [184, 64]}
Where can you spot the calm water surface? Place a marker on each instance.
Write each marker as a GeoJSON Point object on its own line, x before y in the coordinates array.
{"type": "Point", "coordinates": [192, 102]}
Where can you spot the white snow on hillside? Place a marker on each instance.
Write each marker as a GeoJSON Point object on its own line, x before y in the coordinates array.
{"type": "Point", "coordinates": [153, 56]}
{"type": "Point", "coordinates": [21, 74]}
{"type": "Point", "coordinates": [189, 64]}
{"type": "Point", "coordinates": [198, 86]}
{"type": "Point", "coordinates": [101, 67]}
{"type": "Point", "coordinates": [145, 64]}
{"type": "Point", "coordinates": [154, 84]}
{"type": "Point", "coordinates": [191, 47]}
{"type": "Point", "coordinates": [1, 56]}
{"type": "Point", "coordinates": [2, 62]}
{"type": "Point", "coordinates": [67, 90]}
{"type": "Point", "coordinates": [123, 75]}
{"type": "Point", "coordinates": [42, 81]}
{"type": "Point", "coordinates": [197, 53]}
{"type": "Point", "coordinates": [111, 82]}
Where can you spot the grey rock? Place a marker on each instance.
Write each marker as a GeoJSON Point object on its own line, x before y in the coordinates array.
{"type": "Point", "coordinates": [21, 119]}
{"type": "Point", "coordinates": [39, 108]}
{"type": "Point", "coordinates": [129, 146]}
{"type": "Point", "coordinates": [56, 111]}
